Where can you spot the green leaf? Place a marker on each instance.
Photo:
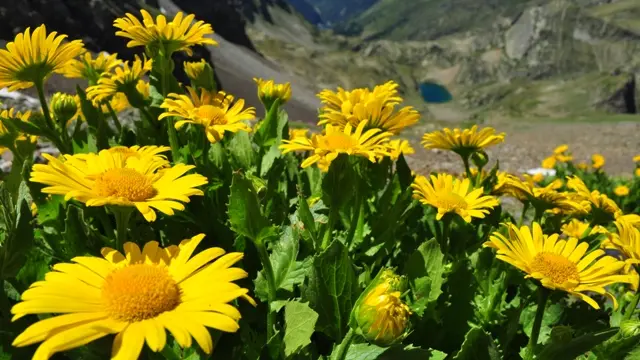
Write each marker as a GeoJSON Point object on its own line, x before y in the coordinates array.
{"type": "Point", "coordinates": [300, 322]}
{"type": "Point", "coordinates": [287, 271]}
{"type": "Point", "coordinates": [576, 347]}
{"type": "Point", "coordinates": [478, 345]}
{"type": "Point", "coordinates": [19, 237]}
{"type": "Point", "coordinates": [268, 159]}
{"type": "Point", "coordinates": [243, 156]}
{"type": "Point", "coordinates": [366, 351]}
{"type": "Point", "coordinates": [267, 134]}
{"type": "Point", "coordinates": [404, 172]}
{"type": "Point", "coordinates": [244, 210]}
{"type": "Point", "coordinates": [552, 315]}
{"type": "Point", "coordinates": [305, 215]}
{"type": "Point", "coordinates": [424, 270]}
{"type": "Point", "coordinates": [75, 233]}
{"type": "Point", "coordinates": [332, 289]}
{"type": "Point", "coordinates": [20, 126]}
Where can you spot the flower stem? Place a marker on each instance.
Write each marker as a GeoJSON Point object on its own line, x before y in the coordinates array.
{"type": "Point", "coordinates": [446, 227]}
{"type": "Point", "coordinates": [467, 169]}
{"type": "Point", "coordinates": [271, 287]}
{"type": "Point", "coordinates": [122, 215]}
{"type": "Point", "coordinates": [334, 213]}
{"type": "Point", "coordinates": [343, 348]}
{"type": "Point", "coordinates": [355, 219]}
{"type": "Point", "coordinates": [173, 140]}
{"type": "Point", "coordinates": [632, 307]}
{"type": "Point", "coordinates": [53, 130]}
{"type": "Point", "coordinates": [543, 296]}
{"type": "Point", "coordinates": [524, 212]}
{"type": "Point", "coordinates": [116, 121]}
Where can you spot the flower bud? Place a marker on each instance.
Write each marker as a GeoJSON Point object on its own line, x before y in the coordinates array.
{"type": "Point", "coordinates": [480, 159]}
{"type": "Point", "coordinates": [201, 74]}
{"type": "Point", "coordinates": [269, 91]}
{"type": "Point", "coordinates": [64, 107]}
{"type": "Point", "coordinates": [379, 314]}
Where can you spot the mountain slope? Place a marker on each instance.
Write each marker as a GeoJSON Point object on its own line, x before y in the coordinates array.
{"type": "Point", "coordinates": [331, 11]}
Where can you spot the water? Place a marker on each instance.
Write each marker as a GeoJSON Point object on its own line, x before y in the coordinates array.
{"type": "Point", "coordinates": [435, 93]}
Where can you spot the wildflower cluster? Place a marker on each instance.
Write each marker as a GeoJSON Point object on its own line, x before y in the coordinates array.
{"type": "Point", "coordinates": [196, 230]}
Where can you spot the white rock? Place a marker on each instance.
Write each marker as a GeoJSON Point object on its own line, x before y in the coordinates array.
{"type": "Point", "coordinates": [16, 95]}
{"type": "Point", "coordinates": [545, 172]}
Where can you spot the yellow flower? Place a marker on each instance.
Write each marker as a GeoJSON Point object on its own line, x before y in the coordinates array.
{"type": "Point", "coordinates": [326, 147]}
{"type": "Point", "coordinates": [397, 147]}
{"type": "Point", "coordinates": [632, 219]}
{"type": "Point", "coordinates": [463, 142]}
{"type": "Point", "coordinates": [543, 198]}
{"type": "Point", "coordinates": [179, 34]}
{"type": "Point", "coordinates": [597, 200]}
{"type": "Point", "coordinates": [212, 110]}
{"type": "Point", "coordinates": [575, 228]}
{"type": "Point", "coordinates": [636, 158]}
{"type": "Point", "coordinates": [561, 149]}
{"type": "Point", "coordinates": [627, 241]}
{"type": "Point", "coordinates": [90, 68]}
{"type": "Point", "coordinates": [597, 161]}
{"type": "Point", "coordinates": [549, 163]}
{"type": "Point", "coordinates": [111, 178]}
{"type": "Point", "coordinates": [31, 57]}
{"type": "Point", "coordinates": [382, 316]}
{"type": "Point", "coordinates": [137, 295]}
{"type": "Point", "coordinates": [378, 107]}
{"type": "Point", "coordinates": [621, 190]}
{"type": "Point", "coordinates": [194, 69]}
{"type": "Point", "coordinates": [582, 166]}
{"type": "Point", "coordinates": [124, 77]}
{"type": "Point", "coordinates": [564, 158]}
{"type": "Point", "coordinates": [64, 107]}
{"type": "Point", "coordinates": [144, 88]}
{"type": "Point", "coordinates": [450, 195]}
{"type": "Point", "coordinates": [13, 114]}
{"type": "Point", "coordinates": [560, 264]}
{"type": "Point", "coordinates": [294, 133]}
{"type": "Point", "coordinates": [637, 172]}
{"type": "Point", "coordinates": [140, 152]}
{"type": "Point", "coordinates": [269, 91]}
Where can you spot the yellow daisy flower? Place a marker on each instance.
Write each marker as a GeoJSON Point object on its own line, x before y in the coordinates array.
{"type": "Point", "coordinates": [111, 178]}
{"type": "Point", "coordinates": [215, 111]}
{"type": "Point", "coordinates": [31, 57]}
{"type": "Point", "coordinates": [124, 77]}
{"type": "Point", "coordinates": [597, 161]}
{"type": "Point", "coordinates": [179, 34]}
{"type": "Point", "coordinates": [382, 316]}
{"type": "Point", "coordinates": [326, 147]}
{"type": "Point", "coordinates": [89, 68]}
{"type": "Point", "coordinates": [636, 158]}
{"type": "Point", "coordinates": [560, 264]}
{"type": "Point", "coordinates": [294, 133]}
{"type": "Point", "coordinates": [637, 172]}
{"type": "Point", "coordinates": [462, 142]}
{"type": "Point", "coordinates": [621, 190]}
{"type": "Point", "coordinates": [561, 149]}
{"type": "Point", "coordinates": [194, 69]}
{"type": "Point", "coordinates": [632, 219]}
{"type": "Point", "coordinates": [549, 162]}
{"type": "Point", "coordinates": [575, 228]}
{"type": "Point", "coordinates": [597, 200]}
{"type": "Point", "coordinates": [378, 107]}
{"type": "Point", "coordinates": [269, 91]}
{"type": "Point", "coordinates": [397, 147]}
{"type": "Point", "coordinates": [137, 295]}
{"type": "Point", "coordinates": [450, 195]}
{"type": "Point", "coordinates": [140, 152]}
{"type": "Point", "coordinates": [627, 241]}
{"type": "Point", "coordinates": [582, 166]}
{"type": "Point", "coordinates": [13, 114]}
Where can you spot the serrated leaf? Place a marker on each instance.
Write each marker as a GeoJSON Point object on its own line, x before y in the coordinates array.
{"type": "Point", "coordinates": [300, 322]}
{"type": "Point", "coordinates": [424, 270]}
{"type": "Point", "coordinates": [478, 345]}
{"type": "Point", "coordinates": [75, 233]}
{"type": "Point", "coordinates": [364, 351]}
{"type": "Point", "coordinates": [332, 289]}
{"type": "Point", "coordinates": [243, 156]}
{"type": "Point", "coordinates": [244, 210]}
{"type": "Point", "coordinates": [576, 347]}
{"type": "Point", "coordinates": [19, 231]}
{"type": "Point", "coordinates": [267, 133]}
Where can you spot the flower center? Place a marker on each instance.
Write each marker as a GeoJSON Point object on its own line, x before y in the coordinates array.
{"type": "Point", "coordinates": [452, 201]}
{"type": "Point", "coordinates": [124, 183]}
{"type": "Point", "coordinates": [339, 141]}
{"type": "Point", "coordinates": [211, 115]}
{"type": "Point", "coordinates": [555, 267]}
{"type": "Point", "coordinates": [139, 292]}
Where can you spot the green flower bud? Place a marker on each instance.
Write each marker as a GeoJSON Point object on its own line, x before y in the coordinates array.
{"type": "Point", "coordinates": [630, 328]}
{"type": "Point", "coordinates": [269, 91]}
{"type": "Point", "coordinates": [480, 159]}
{"type": "Point", "coordinates": [64, 107]}
{"type": "Point", "coordinates": [379, 315]}
{"type": "Point", "coordinates": [201, 74]}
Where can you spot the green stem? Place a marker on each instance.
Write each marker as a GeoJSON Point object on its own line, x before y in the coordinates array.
{"type": "Point", "coordinates": [538, 215]}
{"type": "Point", "coordinates": [122, 215]}
{"type": "Point", "coordinates": [467, 169]}
{"type": "Point", "coordinates": [587, 231]}
{"type": "Point", "coordinates": [173, 140]}
{"type": "Point", "coordinates": [543, 296]}
{"type": "Point", "coordinates": [632, 307]}
{"type": "Point", "coordinates": [524, 212]}
{"type": "Point", "coordinates": [355, 218]}
{"type": "Point", "coordinates": [271, 287]}
{"type": "Point", "coordinates": [334, 213]}
{"type": "Point", "coordinates": [446, 227]}
{"type": "Point", "coordinates": [114, 116]}
{"type": "Point", "coordinates": [171, 129]}
{"type": "Point", "coordinates": [343, 348]}
{"type": "Point", "coordinates": [45, 106]}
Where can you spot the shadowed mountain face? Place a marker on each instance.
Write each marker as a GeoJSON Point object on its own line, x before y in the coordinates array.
{"type": "Point", "coordinates": [330, 11]}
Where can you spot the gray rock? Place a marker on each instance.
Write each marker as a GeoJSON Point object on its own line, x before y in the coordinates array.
{"type": "Point", "coordinates": [524, 33]}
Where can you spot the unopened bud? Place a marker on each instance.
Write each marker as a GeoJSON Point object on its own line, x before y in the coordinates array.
{"type": "Point", "coordinates": [64, 107]}
{"type": "Point", "coordinates": [201, 74]}
{"type": "Point", "coordinates": [480, 159]}
{"type": "Point", "coordinates": [269, 92]}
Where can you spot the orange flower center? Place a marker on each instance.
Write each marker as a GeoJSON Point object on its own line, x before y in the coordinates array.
{"type": "Point", "coordinates": [452, 201]}
{"type": "Point", "coordinates": [211, 115]}
{"type": "Point", "coordinates": [139, 292]}
{"type": "Point", "coordinates": [339, 142]}
{"type": "Point", "coordinates": [124, 183]}
{"type": "Point", "coordinates": [555, 267]}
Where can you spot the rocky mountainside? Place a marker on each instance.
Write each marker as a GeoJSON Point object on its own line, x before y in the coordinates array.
{"type": "Point", "coordinates": [329, 12]}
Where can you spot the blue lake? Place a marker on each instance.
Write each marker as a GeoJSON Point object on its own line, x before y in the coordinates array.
{"type": "Point", "coordinates": [434, 93]}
